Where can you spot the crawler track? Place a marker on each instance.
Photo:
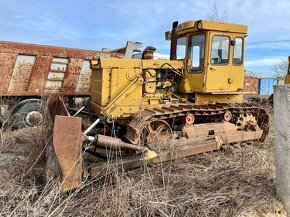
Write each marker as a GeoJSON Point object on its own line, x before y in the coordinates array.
{"type": "Point", "coordinates": [202, 113]}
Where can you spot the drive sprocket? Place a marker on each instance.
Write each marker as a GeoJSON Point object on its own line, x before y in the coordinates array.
{"type": "Point", "coordinates": [246, 121]}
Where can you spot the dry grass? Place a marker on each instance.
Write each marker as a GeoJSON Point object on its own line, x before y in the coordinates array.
{"type": "Point", "coordinates": [238, 181]}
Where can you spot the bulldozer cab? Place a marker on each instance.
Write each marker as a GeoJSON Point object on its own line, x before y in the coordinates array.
{"type": "Point", "coordinates": [214, 56]}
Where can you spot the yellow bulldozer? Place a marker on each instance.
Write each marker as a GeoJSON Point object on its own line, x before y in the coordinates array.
{"type": "Point", "coordinates": [150, 111]}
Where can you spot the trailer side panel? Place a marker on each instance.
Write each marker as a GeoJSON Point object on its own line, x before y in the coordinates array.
{"type": "Point", "coordinates": [36, 70]}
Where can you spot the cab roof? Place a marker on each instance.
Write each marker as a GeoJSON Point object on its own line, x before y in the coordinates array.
{"type": "Point", "coordinates": [191, 26]}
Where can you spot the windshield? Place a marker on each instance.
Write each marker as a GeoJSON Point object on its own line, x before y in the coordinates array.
{"type": "Point", "coordinates": [196, 53]}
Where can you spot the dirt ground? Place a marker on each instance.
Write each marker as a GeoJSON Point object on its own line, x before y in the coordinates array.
{"type": "Point", "coordinates": [238, 181]}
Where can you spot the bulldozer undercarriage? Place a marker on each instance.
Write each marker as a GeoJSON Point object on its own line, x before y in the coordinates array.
{"type": "Point", "coordinates": [183, 116]}
{"type": "Point", "coordinates": [160, 134]}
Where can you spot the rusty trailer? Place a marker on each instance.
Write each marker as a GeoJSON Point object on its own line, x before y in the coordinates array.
{"type": "Point", "coordinates": [37, 70]}
{"type": "Point", "coordinates": [32, 72]}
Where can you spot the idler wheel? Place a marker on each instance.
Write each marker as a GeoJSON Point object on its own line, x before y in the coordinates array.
{"type": "Point", "coordinates": [189, 119]}
{"type": "Point", "coordinates": [228, 116]}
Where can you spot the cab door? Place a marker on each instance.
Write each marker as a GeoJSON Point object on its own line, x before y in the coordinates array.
{"type": "Point", "coordinates": [237, 63]}
{"type": "Point", "coordinates": [219, 66]}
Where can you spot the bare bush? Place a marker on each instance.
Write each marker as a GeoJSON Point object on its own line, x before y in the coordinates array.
{"type": "Point", "coordinates": [216, 14]}
{"type": "Point", "coordinates": [280, 69]}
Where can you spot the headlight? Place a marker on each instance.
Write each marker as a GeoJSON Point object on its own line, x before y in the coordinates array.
{"type": "Point", "coordinates": [199, 25]}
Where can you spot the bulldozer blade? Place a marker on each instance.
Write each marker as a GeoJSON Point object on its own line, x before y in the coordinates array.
{"type": "Point", "coordinates": [56, 106]}
{"type": "Point", "coordinates": [67, 143]}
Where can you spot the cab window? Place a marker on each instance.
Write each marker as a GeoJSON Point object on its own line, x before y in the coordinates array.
{"type": "Point", "coordinates": [181, 48]}
{"type": "Point", "coordinates": [220, 50]}
{"type": "Point", "coordinates": [196, 49]}
{"type": "Point", "coordinates": [238, 52]}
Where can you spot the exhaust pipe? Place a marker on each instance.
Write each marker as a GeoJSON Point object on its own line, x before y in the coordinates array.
{"type": "Point", "coordinates": [173, 46]}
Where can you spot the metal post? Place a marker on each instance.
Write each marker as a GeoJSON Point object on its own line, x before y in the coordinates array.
{"type": "Point", "coordinates": [92, 126]}
{"type": "Point", "coordinates": [82, 108]}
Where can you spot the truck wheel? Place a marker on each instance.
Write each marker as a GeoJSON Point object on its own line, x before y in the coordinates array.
{"type": "Point", "coordinates": [28, 114]}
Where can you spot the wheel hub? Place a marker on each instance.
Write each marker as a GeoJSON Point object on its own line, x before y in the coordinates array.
{"type": "Point", "coordinates": [33, 118]}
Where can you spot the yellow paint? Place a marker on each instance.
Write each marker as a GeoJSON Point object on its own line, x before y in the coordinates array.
{"type": "Point", "coordinates": [117, 88]}
{"type": "Point", "coordinates": [150, 86]}
{"type": "Point", "coordinates": [123, 87]}
{"type": "Point", "coordinates": [287, 77]}
{"type": "Point", "coordinates": [190, 26]}
{"type": "Point", "coordinates": [227, 77]}
{"type": "Point", "coordinates": [148, 154]}
{"type": "Point", "coordinates": [206, 98]}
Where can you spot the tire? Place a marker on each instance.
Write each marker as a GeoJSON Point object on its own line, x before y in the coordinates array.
{"type": "Point", "coordinates": [28, 114]}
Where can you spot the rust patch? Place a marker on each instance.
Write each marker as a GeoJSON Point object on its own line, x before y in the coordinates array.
{"type": "Point", "coordinates": [45, 50]}
{"type": "Point", "coordinates": [72, 75]}
{"type": "Point", "coordinates": [251, 84]}
{"type": "Point", "coordinates": [56, 106]}
{"type": "Point", "coordinates": [30, 80]}
{"type": "Point", "coordinates": [67, 143]}
{"type": "Point", "coordinates": [39, 75]}
{"type": "Point", "coordinates": [7, 62]}
{"type": "Point", "coordinates": [21, 76]}
{"type": "Point", "coordinates": [84, 82]}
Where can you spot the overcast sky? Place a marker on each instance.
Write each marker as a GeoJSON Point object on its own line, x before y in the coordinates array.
{"type": "Point", "coordinates": [94, 24]}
